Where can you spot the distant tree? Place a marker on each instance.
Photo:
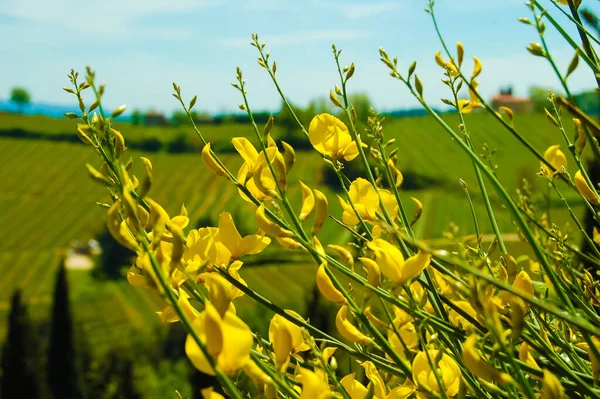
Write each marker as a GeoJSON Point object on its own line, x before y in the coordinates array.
{"type": "Point", "coordinates": [63, 379]}
{"type": "Point", "coordinates": [319, 105]}
{"type": "Point", "coordinates": [114, 257]}
{"type": "Point", "coordinates": [179, 118]}
{"type": "Point", "coordinates": [137, 118]}
{"type": "Point", "coordinates": [362, 104]}
{"type": "Point", "coordinates": [539, 98]}
{"type": "Point", "coordinates": [20, 96]}
{"type": "Point", "coordinates": [19, 356]}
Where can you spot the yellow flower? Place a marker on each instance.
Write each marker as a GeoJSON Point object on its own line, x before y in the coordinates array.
{"type": "Point", "coordinates": [552, 388]}
{"type": "Point", "coordinates": [255, 174]}
{"type": "Point", "coordinates": [365, 200]}
{"type": "Point", "coordinates": [392, 263]}
{"type": "Point", "coordinates": [584, 189]}
{"type": "Point", "coordinates": [594, 360]}
{"type": "Point", "coordinates": [556, 158]}
{"type": "Point", "coordinates": [233, 241]}
{"type": "Point", "coordinates": [355, 389]}
{"type": "Point", "coordinates": [204, 246]}
{"type": "Point", "coordinates": [168, 315]}
{"type": "Point", "coordinates": [473, 101]}
{"type": "Point", "coordinates": [330, 136]}
{"type": "Point", "coordinates": [313, 386]}
{"type": "Point", "coordinates": [523, 283]}
{"type": "Point", "coordinates": [227, 339]}
{"type": "Point", "coordinates": [286, 338]}
{"type": "Point", "coordinates": [526, 357]}
{"type": "Point", "coordinates": [408, 334]}
{"type": "Point", "coordinates": [220, 291]}
{"type": "Point", "coordinates": [458, 320]}
{"type": "Point", "coordinates": [424, 377]}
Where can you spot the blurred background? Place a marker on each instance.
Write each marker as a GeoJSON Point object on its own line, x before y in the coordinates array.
{"type": "Point", "coordinates": [69, 321]}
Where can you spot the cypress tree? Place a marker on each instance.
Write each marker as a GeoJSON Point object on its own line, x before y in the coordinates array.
{"type": "Point", "coordinates": [19, 377]}
{"type": "Point", "coordinates": [62, 375]}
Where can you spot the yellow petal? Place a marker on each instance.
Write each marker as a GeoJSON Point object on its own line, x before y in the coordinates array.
{"type": "Point", "coordinates": [326, 287]}
{"type": "Point", "coordinates": [168, 315]}
{"type": "Point", "coordinates": [401, 392]}
{"type": "Point", "coordinates": [220, 291]}
{"type": "Point", "coordinates": [414, 265]}
{"type": "Point", "coordinates": [239, 341]}
{"type": "Point", "coordinates": [344, 253]}
{"type": "Point", "coordinates": [208, 393]}
{"type": "Point", "coordinates": [375, 378]}
{"type": "Point", "coordinates": [594, 360]}
{"type": "Point", "coordinates": [552, 388]}
{"type": "Point", "coordinates": [389, 258]}
{"type": "Point", "coordinates": [245, 148]}
{"type": "Point", "coordinates": [321, 211]}
{"type": "Point", "coordinates": [362, 192]}
{"type": "Point", "coordinates": [269, 227]}
{"type": "Point", "coordinates": [313, 386]}
{"type": "Point", "coordinates": [289, 156]}
{"type": "Point", "coordinates": [373, 272]}
{"type": "Point", "coordinates": [556, 158]}
{"type": "Point", "coordinates": [330, 136]}
{"type": "Point", "coordinates": [255, 373]}
{"type": "Point", "coordinates": [211, 163]}
{"type": "Point", "coordinates": [584, 189]}
{"type": "Point", "coordinates": [281, 339]}
{"type": "Point", "coordinates": [523, 282]}
{"type": "Point", "coordinates": [478, 366]}
{"type": "Point", "coordinates": [137, 279]}
{"type": "Point", "coordinates": [288, 242]}
{"type": "Point", "coordinates": [476, 68]}
{"type": "Point", "coordinates": [228, 234]}
{"type": "Point", "coordinates": [525, 355]}
{"type": "Point", "coordinates": [308, 202]}
{"type": "Point", "coordinates": [348, 330]}
{"type": "Point", "coordinates": [355, 389]}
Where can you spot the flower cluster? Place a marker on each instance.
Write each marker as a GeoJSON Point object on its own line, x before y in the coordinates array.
{"type": "Point", "coordinates": [415, 318]}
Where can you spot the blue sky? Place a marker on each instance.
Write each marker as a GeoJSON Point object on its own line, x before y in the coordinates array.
{"type": "Point", "coordinates": [138, 47]}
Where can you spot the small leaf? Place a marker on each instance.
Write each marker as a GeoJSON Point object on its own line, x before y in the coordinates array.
{"type": "Point", "coordinates": [334, 99]}
{"type": "Point", "coordinates": [536, 49]}
{"type": "Point", "coordinates": [350, 71]}
{"type": "Point", "coordinates": [550, 117]}
{"type": "Point", "coordinates": [71, 115]}
{"type": "Point", "coordinates": [419, 86]}
{"type": "Point", "coordinates": [118, 111]}
{"type": "Point", "coordinates": [411, 68]}
{"type": "Point", "coordinates": [193, 102]}
{"type": "Point", "coordinates": [573, 64]}
{"type": "Point", "coordinates": [94, 105]}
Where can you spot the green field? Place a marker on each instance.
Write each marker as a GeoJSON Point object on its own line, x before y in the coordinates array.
{"type": "Point", "coordinates": [47, 200]}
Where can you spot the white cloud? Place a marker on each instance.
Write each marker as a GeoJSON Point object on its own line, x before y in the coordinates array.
{"type": "Point", "coordinates": [334, 35]}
